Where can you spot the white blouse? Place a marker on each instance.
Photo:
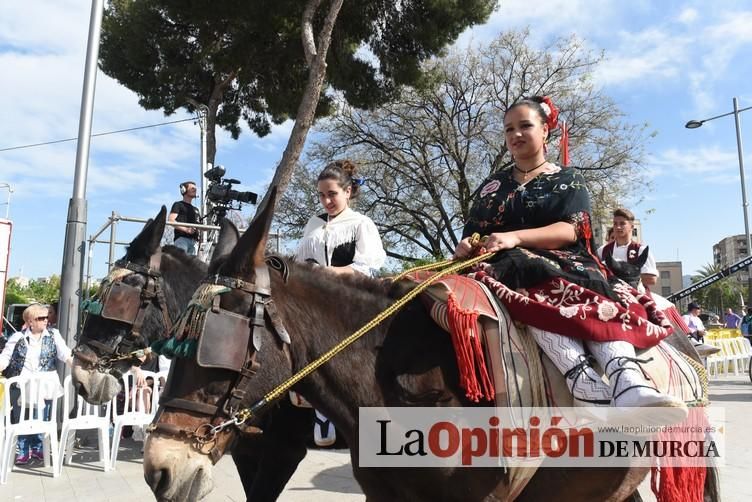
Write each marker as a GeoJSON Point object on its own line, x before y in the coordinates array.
{"type": "Point", "coordinates": [350, 238]}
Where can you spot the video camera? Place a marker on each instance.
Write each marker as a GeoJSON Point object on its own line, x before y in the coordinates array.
{"type": "Point", "coordinates": [220, 190]}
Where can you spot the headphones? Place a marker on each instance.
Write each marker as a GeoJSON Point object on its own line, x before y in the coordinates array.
{"type": "Point", "coordinates": [184, 187]}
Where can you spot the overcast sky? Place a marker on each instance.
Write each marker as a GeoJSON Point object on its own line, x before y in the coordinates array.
{"type": "Point", "coordinates": [667, 62]}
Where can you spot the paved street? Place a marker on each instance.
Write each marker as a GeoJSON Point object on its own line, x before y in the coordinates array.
{"type": "Point", "coordinates": [325, 475]}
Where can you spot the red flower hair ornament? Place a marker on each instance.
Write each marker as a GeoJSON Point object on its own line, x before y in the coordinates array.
{"type": "Point", "coordinates": [552, 113]}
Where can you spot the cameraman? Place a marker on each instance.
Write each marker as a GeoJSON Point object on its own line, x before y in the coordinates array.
{"type": "Point", "coordinates": [184, 212]}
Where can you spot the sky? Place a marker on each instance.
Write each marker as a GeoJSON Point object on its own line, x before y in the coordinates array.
{"type": "Point", "coordinates": [666, 62]}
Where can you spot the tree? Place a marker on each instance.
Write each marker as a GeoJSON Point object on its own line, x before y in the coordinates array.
{"type": "Point", "coordinates": [245, 60]}
{"type": "Point", "coordinates": [14, 293]}
{"type": "Point", "coordinates": [428, 150]}
{"type": "Point", "coordinates": [721, 294]}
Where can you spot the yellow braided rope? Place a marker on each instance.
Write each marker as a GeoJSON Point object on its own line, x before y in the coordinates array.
{"type": "Point", "coordinates": [285, 386]}
{"type": "Point", "coordinates": [475, 241]}
{"type": "Point", "coordinates": [420, 268]}
{"type": "Point", "coordinates": [702, 374]}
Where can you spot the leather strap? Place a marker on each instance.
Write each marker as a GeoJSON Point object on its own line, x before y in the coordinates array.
{"type": "Point", "coordinates": [185, 404]}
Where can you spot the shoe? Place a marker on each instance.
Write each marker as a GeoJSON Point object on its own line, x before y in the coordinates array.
{"type": "Point", "coordinates": [23, 458]}
{"type": "Point", "coordinates": [586, 385]}
{"type": "Point", "coordinates": [323, 431]}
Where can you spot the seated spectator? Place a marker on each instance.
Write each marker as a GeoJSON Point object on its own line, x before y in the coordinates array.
{"type": "Point", "coordinates": [692, 319]}
{"type": "Point", "coordinates": [34, 351]}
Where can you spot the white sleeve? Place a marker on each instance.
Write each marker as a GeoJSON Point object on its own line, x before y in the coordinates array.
{"type": "Point", "coordinates": [686, 318]}
{"type": "Point", "coordinates": [649, 267]}
{"type": "Point", "coordinates": [63, 352]}
{"type": "Point", "coordinates": [369, 251]}
{"type": "Point", "coordinates": [600, 252]}
{"type": "Point", "coordinates": [8, 349]}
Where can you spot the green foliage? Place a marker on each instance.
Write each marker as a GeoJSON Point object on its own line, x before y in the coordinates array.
{"type": "Point", "coordinates": [721, 294]}
{"type": "Point", "coordinates": [14, 294]}
{"type": "Point", "coordinates": [38, 290]}
{"type": "Point", "coordinates": [244, 60]}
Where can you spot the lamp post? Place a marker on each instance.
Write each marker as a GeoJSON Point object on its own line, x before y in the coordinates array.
{"type": "Point", "coordinates": [694, 124]}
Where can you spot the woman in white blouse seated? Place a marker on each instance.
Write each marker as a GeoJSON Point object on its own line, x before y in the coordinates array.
{"type": "Point", "coordinates": [344, 240]}
{"type": "Point", "coordinates": [34, 351]}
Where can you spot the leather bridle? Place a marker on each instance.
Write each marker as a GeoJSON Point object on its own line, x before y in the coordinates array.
{"type": "Point", "coordinates": [127, 304]}
{"type": "Point", "coordinates": [232, 342]}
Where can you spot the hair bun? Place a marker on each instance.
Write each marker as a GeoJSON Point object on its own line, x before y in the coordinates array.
{"type": "Point", "coordinates": [347, 166]}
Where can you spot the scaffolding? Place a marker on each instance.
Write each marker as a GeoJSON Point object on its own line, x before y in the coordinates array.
{"type": "Point", "coordinates": [112, 224]}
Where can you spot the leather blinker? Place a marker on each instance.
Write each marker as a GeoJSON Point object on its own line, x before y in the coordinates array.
{"type": "Point", "coordinates": [122, 303]}
{"type": "Point", "coordinates": [224, 340]}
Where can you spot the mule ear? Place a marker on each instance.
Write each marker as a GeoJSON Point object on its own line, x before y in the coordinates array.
{"type": "Point", "coordinates": [251, 248]}
{"type": "Point", "coordinates": [643, 257]}
{"type": "Point", "coordinates": [147, 241]}
{"type": "Point", "coordinates": [228, 239]}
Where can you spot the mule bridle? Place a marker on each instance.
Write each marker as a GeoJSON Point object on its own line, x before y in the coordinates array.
{"type": "Point", "coordinates": [127, 304]}
{"type": "Point", "coordinates": [245, 334]}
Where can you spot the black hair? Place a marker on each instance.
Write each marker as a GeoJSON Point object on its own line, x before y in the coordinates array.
{"type": "Point", "coordinates": [343, 172]}
{"type": "Point", "coordinates": [534, 102]}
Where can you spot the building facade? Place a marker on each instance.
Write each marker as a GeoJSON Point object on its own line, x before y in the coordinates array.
{"type": "Point", "coordinates": [669, 278]}
{"type": "Point", "coordinates": [730, 250]}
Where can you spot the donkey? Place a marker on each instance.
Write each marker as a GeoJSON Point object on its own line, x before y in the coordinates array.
{"type": "Point", "coordinates": [405, 361]}
{"type": "Point", "coordinates": [265, 463]}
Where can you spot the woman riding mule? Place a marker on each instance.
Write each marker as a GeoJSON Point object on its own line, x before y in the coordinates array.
{"type": "Point", "coordinates": [405, 361]}
{"type": "Point", "coordinates": [536, 216]}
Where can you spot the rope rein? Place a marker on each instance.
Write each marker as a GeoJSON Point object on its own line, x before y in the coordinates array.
{"type": "Point", "coordinates": [245, 414]}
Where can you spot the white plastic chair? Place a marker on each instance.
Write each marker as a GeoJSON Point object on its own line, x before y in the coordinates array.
{"type": "Point", "coordinates": [717, 363]}
{"type": "Point", "coordinates": [33, 390]}
{"type": "Point", "coordinates": [136, 412]}
{"type": "Point", "coordinates": [87, 416]}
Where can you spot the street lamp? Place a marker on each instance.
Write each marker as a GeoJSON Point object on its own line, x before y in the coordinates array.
{"type": "Point", "coordinates": [694, 124]}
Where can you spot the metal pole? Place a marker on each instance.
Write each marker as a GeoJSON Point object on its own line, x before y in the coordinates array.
{"type": "Point", "coordinates": [745, 204]}
{"type": "Point", "coordinates": [7, 203]}
{"type": "Point", "coordinates": [203, 112]}
{"type": "Point", "coordinates": [71, 277]}
{"type": "Point", "coordinates": [113, 231]}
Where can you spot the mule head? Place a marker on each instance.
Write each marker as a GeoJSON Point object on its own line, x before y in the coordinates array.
{"type": "Point", "coordinates": [118, 318]}
{"type": "Point", "coordinates": [209, 386]}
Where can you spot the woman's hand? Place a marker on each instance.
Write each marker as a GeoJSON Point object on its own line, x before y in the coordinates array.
{"type": "Point", "coordinates": [463, 249]}
{"type": "Point", "coordinates": [499, 241]}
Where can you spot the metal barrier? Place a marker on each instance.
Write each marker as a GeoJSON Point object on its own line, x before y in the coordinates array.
{"type": "Point", "coordinates": [112, 223]}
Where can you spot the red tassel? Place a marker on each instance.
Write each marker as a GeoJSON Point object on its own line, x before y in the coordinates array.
{"type": "Point", "coordinates": [564, 145]}
{"type": "Point", "coordinates": [683, 483]}
{"type": "Point", "coordinates": [471, 362]}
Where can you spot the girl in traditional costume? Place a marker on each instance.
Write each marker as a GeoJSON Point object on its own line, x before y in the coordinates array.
{"type": "Point", "coordinates": [345, 241]}
{"type": "Point", "coordinates": [537, 216]}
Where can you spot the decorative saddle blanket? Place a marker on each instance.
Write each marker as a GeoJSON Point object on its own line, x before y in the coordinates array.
{"type": "Point", "coordinates": [518, 373]}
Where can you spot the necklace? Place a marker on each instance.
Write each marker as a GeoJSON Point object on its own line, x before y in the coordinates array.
{"type": "Point", "coordinates": [529, 170]}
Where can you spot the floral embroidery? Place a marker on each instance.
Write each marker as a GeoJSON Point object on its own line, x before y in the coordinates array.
{"type": "Point", "coordinates": [492, 186]}
{"type": "Point", "coordinates": [569, 312]}
{"type": "Point", "coordinates": [607, 311]}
